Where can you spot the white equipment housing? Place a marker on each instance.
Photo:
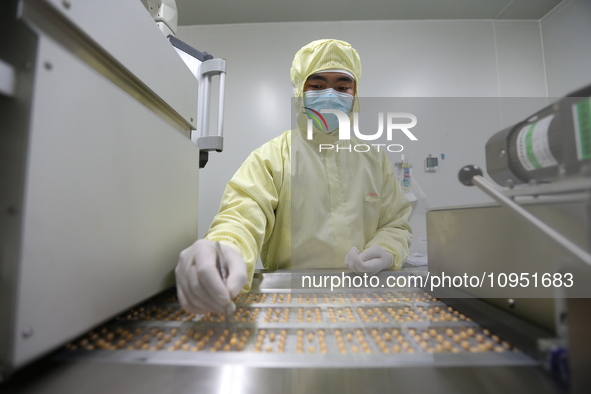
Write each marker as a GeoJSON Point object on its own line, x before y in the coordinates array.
{"type": "Point", "coordinates": [99, 175]}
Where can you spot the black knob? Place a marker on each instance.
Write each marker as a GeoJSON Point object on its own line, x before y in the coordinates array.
{"type": "Point", "coordinates": [467, 172]}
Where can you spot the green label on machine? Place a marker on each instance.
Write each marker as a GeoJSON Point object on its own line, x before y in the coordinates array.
{"type": "Point", "coordinates": [533, 146]}
{"type": "Point", "coordinates": [529, 147]}
{"type": "Point", "coordinates": [582, 123]}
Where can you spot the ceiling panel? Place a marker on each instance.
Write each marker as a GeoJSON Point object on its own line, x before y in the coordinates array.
{"type": "Point", "coordinates": [528, 9]}
{"type": "Point", "coordinates": [206, 12]}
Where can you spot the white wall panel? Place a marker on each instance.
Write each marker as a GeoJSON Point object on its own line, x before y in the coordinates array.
{"type": "Point", "coordinates": [425, 58]}
{"type": "Point", "coordinates": [566, 34]}
{"type": "Point", "coordinates": [520, 55]}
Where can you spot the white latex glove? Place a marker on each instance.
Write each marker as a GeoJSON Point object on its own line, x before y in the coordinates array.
{"type": "Point", "coordinates": [199, 286]}
{"type": "Point", "coordinates": [371, 261]}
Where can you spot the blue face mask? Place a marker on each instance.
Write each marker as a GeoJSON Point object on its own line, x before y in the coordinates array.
{"type": "Point", "coordinates": [316, 100]}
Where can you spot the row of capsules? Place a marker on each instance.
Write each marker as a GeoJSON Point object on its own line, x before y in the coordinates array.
{"type": "Point", "coordinates": [155, 313]}
{"type": "Point", "coordinates": [314, 341]}
{"type": "Point", "coordinates": [125, 339]}
{"type": "Point", "coordinates": [360, 344]}
{"type": "Point", "coordinates": [437, 340]}
{"type": "Point", "coordinates": [306, 315]}
{"type": "Point", "coordinates": [386, 340]}
{"type": "Point", "coordinates": [305, 342]}
{"type": "Point", "coordinates": [272, 341]}
{"type": "Point", "coordinates": [155, 339]}
{"type": "Point", "coordinates": [333, 298]}
{"type": "Point", "coordinates": [392, 340]}
{"type": "Point", "coordinates": [314, 298]}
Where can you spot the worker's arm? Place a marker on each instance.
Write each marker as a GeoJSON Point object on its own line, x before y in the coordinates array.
{"type": "Point", "coordinates": [245, 220]}
{"type": "Point", "coordinates": [247, 211]}
{"type": "Point", "coordinates": [393, 233]}
{"type": "Point", "coordinates": [388, 248]}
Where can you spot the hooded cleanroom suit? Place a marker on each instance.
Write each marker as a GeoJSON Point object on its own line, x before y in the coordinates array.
{"type": "Point", "coordinates": [299, 207]}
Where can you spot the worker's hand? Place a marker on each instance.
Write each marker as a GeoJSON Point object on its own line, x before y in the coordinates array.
{"type": "Point", "coordinates": [371, 261]}
{"type": "Point", "coordinates": [199, 286]}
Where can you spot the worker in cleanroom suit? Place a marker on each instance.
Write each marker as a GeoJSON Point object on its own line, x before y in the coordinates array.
{"type": "Point", "coordinates": [297, 206]}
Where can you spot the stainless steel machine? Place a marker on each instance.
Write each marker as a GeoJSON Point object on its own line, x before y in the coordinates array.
{"type": "Point", "coordinates": [533, 250]}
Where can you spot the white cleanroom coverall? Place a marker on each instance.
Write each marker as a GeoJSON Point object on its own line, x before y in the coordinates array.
{"type": "Point", "coordinates": [303, 208]}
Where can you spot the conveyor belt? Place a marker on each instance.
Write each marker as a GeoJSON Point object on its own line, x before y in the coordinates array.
{"type": "Point", "coordinates": [405, 326]}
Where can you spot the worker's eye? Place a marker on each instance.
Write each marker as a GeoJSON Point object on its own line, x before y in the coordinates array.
{"type": "Point", "coordinates": [346, 89]}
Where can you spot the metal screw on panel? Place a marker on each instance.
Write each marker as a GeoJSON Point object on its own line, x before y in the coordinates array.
{"type": "Point", "coordinates": [48, 66]}
{"type": "Point", "coordinates": [502, 153]}
{"type": "Point", "coordinates": [191, 119]}
{"type": "Point", "coordinates": [27, 332]}
{"type": "Point", "coordinates": [511, 303]}
{"type": "Point", "coordinates": [66, 4]}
